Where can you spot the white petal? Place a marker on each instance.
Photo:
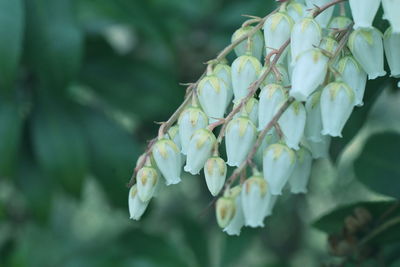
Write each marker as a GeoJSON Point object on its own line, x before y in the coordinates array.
{"type": "Point", "coordinates": [272, 97]}
{"type": "Point", "coordinates": [199, 150]}
{"type": "Point", "coordinates": [277, 28]}
{"type": "Point", "coordinates": [367, 47]}
{"type": "Point", "coordinates": [250, 110]}
{"type": "Point", "coordinates": [245, 70]}
{"type": "Point", "coordinates": [191, 120]}
{"type": "Point", "coordinates": [168, 159]}
{"type": "Point", "coordinates": [223, 71]}
{"type": "Point", "coordinates": [237, 221]}
{"type": "Point", "coordinates": [212, 93]}
{"type": "Point", "coordinates": [324, 18]}
{"type": "Point", "coordinates": [215, 174]}
{"type": "Point", "coordinates": [364, 12]}
{"type": "Point", "coordinates": [136, 206]}
{"type": "Point", "coordinates": [392, 50]}
{"type": "Point", "coordinates": [147, 179]}
{"type": "Point", "coordinates": [298, 181]}
{"type": "Point", "coordinates": [313, 126]}
{"type": "Point", "coordinates": [392, 10]}
{"type": "Point", "coordinates": [254, 201]}
{"type": "Point", "coordinates": [296, 11]}
{"type": "Point", "coordinates": [292, 123]}
{"type": "Point", "coordinates": [256, 42]}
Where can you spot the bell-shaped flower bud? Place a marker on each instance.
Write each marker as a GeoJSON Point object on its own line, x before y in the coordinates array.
{"type": "Point", "coordinates": [223, 71]}
{"type": "Point", "coordinates": [309, 72]}
{"type": "Point", "coordinates": [225, 211]}
{"type": "Point", "coordinates": [191, 120]}
{"type": "Point", "coordinates": [367, 47]}
{"type": "Point", "coordinates": [292, 123]}
{"type": "Point", "coordinates": [392, 49]}
{"type": "Point", "coordinates": [354, 76]}
{"type": "Point", "coordinates": [245, 70]}
{"type": "Point", "coordinates": [340, 22]}
{"type": "Point", "coordinates": [240, 136]}
{"type": "Point", "coordinates": [320, 149]}
{"type": "Point", "coordinates": [305, 35]}
{"type": "Point", "coordinates": [392, 9]}
{"type": "Point", "coordinates": [199, 150]}
{"type": "Point", "coordinates": [337, 103]}
{"type": "Point", "coordinates": [313, 126]}
{"type": "Point", "coordinates": [256, 42]}
{"type": "Point", "coordinates": [272, 97]}
{"type": "Point", "coordinates": [269, 139]}
{"type": "Point", "coordinates": [215, 174]}
{"type": "Point", "coordinates": [364, 12]}
{"type": "Point", "coordinates": [173, 134]}
{"type": "Point", "coordinates": [278, 164]}
{"type": "Point", "coordinates": [282, 77]}
{"type": "Point", "coordinates": [255, 200]}
{"type": "Point", "coordinates": [277, 28]}
{"type": "Point", "coordinates": [298, 181]}
{"type": "Point", "coordinates": [213, 96]}
{"type": "Point", "coordinates": [147, 179]}
{"type": "Point", "coordinates": [168, 159]}
{"type": "Point", "coordinates": [237, 221]}
{"type": "Point", "coordinates": [136, 206]}
{"type": "Point", "coordinates": [329, 44]}
{"type": "Point", "coordinates": [296, 11]}
{"type": "Point", "coordinates": [324, 18]}
{"type": "Point", "coordinates": [249, 109]}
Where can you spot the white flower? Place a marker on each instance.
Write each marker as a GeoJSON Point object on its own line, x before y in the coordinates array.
{"type": "Point", "coordinates": [223, 71]}
{"type": "Point", "coordinates": [256, 42]}
{"type": "Point", "coordinates": [324, 18]}
{"type": "Point", "coordinates": [272, 97]}
{"type": "Point", "coordinates": [237, 222]}
{"type": "Point", "coordinates": [240, 136]}
{"type": "Point", "coordinates": [366, 46]}
{"type": "Point", "coordinates": [392, 49]}
{"type": "Point", "coordinates": [392, 10]}
{"type": "Point", "coordinates": [320, 149]}
{"type": "Point", "coordinates": [340, 22]}
{"type": "Point", "coordinates": [136, 206]}
{"type": "Point", "coordinates": [305, 35]}
{"type": "Point", "coordinates": [308, 73]}
{"type": "Point", "coordinates": [249, 109]}
{"type": "Point", "coordinates": [168, 159]}
{"type": "Point", "coordinates": [337, 102]}
{"type": "Point", "coordinates": [173, 134]}
{"type": "Point", "coordinates": [146, 179]}
{"type": "Point", "coordinates": [354, 76]}
{"type": "Point", "coordinates": [225, 210]}
{"type": "Point", "coordinates": [313, 126]}
{"type": "Point", "coordinates": [269, 139]}
{"type": "Point", "coordinates": [364, 12]}
{"type": "Point", "coordinates": [292, 123]}
{"type": "Point", "coordinates": [296, 10]}
{"type": "Point", "coordinates": [255, 200]}
{"type": "Point", "coordinates": [213, 96]}
{"type": "Point", "coordinates": [215, 174]}
{"type": "Point", "coordinates": [245, 70]}
{"type": "Point", "coordinates": [191, 120]}
{"type": "Point", "coordinates": [277, 28]}
{"type": "Point", "coordinates": [298, 181]}
{"type": "Point", "coordinates": [278, 164]}
{"type": "Point", "coordinates": [271, 77]}
{"type": "Point", "coordinates": [199, 150]}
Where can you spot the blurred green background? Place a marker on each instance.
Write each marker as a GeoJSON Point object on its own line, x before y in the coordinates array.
{"type": "Point", "coordinates": [82, 83]}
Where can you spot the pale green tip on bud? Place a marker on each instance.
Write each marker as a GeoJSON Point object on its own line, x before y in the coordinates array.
{"type": "Point", "coordinates": [190, 120]}
{"type": "Point", "coordinates": [278, 164]}
{"type": "Point", "coordinates": [367, 47]}
{"type": "Point", "coordinates": [223, 71]}
{"type": "Point", "coordinates": [199, 150]}
{"type": "Point", "coordinates": [215, 174]}
{"type": "Point", "coordinates": [136, 206]}
{"type": "Point", "coordinates": [168, 159]}
{"type": "Point", "coordinates": [250, 109]}
{"type": "Point", "coordinates": [340, 22]}
{"type": "Point", "coordinates": [298, 181]}
{"type": "Point", "coordinates": [337, 103]}
{"type": "Point", "coordinates": [272, 97]}
{"type": "Point", "coordinates": [146, 179]}
{"type": "Point", "coordinates": [277, 28]}
{"type": "Point", "coordinates": [225, 211]}
{"type": "Point", "coordinates": [296, 10]}
{"type": "Point", "coordinates": [240, 136]}
{"type": "Point", "coordinates": [256, 42]}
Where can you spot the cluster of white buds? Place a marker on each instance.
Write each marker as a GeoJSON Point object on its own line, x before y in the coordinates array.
{"type": "Point", "coordinates": [277, 118]}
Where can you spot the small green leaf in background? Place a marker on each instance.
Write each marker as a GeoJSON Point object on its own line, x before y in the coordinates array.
{"type": "Point", "coordinates": [59, 145]}
{"type": "Point", "coordinates": [54, 41]}
{"type": "Point", "coordinates": [378, 166]}
{"type": "Point", "coordinates": [11, 32]}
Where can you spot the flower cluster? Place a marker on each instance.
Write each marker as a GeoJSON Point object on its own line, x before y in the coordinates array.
{"type": "Point", "coordinates": [298, 74]}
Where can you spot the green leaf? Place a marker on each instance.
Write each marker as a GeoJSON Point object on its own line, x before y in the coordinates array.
{"type": "Point", "coordinates": [59, 145]}
{"type": "Point", "coordinates": [10, 134]}
{"type": "Point", "coordinates": [378, 166]}
{"type": "Point", "coordinates": [360, 114]}
{"type": "Point", "coordinates": [54, 41]}
{"type": "Point", "coordinates": [113, 153]}
{"type": "Point", "coordinates": [11, 32]}
{"type": "Point", "coordinates": [333, 222]}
